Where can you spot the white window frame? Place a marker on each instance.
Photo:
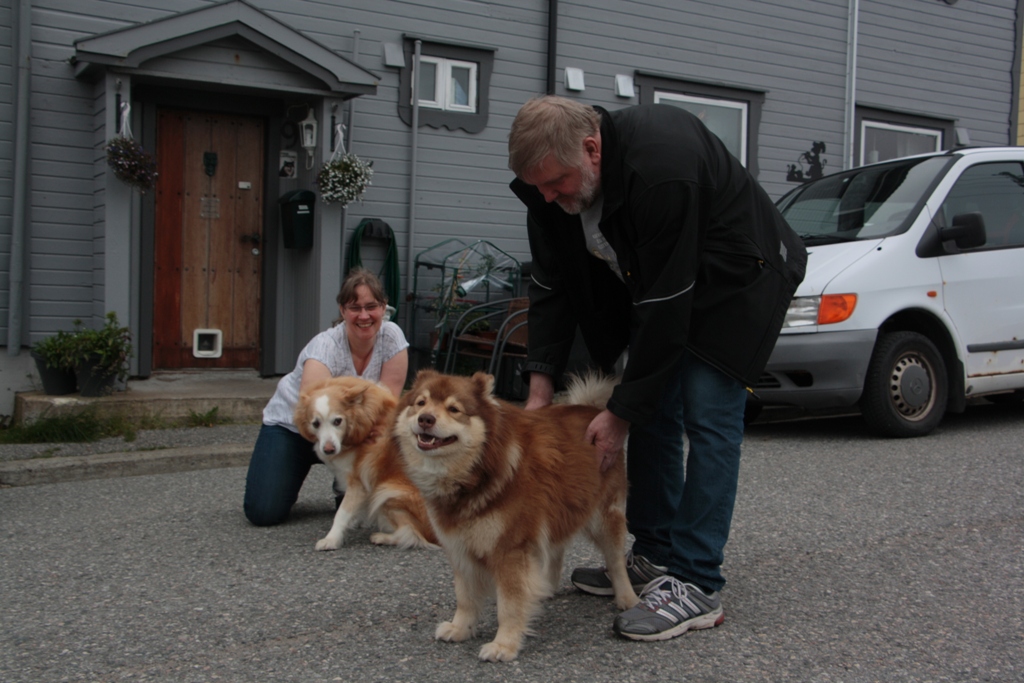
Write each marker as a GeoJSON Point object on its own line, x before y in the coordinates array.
{"type": "Point", "coordinates": [866, 124]}
{"type": "Point", "coordinates": [444, 91]}
{"type": "Point", "coordinates": [743, 107]}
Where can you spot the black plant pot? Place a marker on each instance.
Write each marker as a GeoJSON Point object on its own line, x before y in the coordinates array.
{"type": "Point", "coordinates": [56, 382]}
{"type": "Point", "coordinates": [93, 381]}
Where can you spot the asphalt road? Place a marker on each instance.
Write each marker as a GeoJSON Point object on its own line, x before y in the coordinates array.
{"type": "Point", "coordinates": [851, 559]}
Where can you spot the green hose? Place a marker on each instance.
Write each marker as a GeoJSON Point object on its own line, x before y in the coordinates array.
{"type": "Point", "coordinates": [389, 275]}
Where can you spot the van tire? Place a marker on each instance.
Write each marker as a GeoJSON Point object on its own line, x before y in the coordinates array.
{"type": "Point", "coordinates": [906, 387]}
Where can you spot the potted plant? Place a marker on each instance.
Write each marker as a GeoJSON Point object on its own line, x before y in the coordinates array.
{"type": "Point", "coordinates": [55, 362]}
{"type": "Point", "coordinates": [344, 179]}
{"type": "Point", "coordinates": [131, 163]}
{"type": "Point", "coordinates": [101, 357]}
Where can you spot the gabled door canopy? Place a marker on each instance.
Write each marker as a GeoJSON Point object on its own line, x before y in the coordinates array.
{"type": "Point", "coordinates": [129, 48]}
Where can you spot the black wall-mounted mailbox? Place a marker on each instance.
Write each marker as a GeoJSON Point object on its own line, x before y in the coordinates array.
{"type": "Point", "coordinates": [297, 218]}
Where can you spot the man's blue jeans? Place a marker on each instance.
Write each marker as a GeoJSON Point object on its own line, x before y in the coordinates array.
{"type": "Point", "coordinates": [681, 518]}
{"type": "Point", "coordinates": [280, 462]}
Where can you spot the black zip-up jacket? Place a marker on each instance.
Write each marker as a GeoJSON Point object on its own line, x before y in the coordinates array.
{"type": "Point", "coordinates": [709, 263]}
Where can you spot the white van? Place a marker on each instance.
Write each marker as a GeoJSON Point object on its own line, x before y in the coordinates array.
{"type": "Point", "coordinates": [914, 295]}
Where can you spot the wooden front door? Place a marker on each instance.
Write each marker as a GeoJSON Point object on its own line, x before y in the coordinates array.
{"type": "Point", "coordinates": [208, 245]}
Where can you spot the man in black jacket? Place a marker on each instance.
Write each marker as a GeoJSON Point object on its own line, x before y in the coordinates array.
{"type": "Point", "coordinates": [647, 234]}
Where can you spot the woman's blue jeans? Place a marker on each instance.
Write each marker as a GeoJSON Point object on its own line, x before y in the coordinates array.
{"type": "Point", "coordinates": [679, 513]}
{"type": "Point", "coordinates": [280, 462]}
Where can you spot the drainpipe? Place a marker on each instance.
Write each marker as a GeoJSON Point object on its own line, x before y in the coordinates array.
{"type": "Point", "coordinates": [849, 132]}
{"type": "Point", "coordinates": [352, 101]}
{"type": "Point", "coordinates": [349, 137]}
{"type": "Point", "coordinates": [19, 224]}
{"type": "Point", "coordinates": [552, 43]}
{"type": "Point", "coordinates": [412, 182]}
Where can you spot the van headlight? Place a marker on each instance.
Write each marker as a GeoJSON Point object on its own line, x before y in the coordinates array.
{"type": "Point", "coordinates": [803, 311]}
{"type": "Point", "coordinates": [819, 310]}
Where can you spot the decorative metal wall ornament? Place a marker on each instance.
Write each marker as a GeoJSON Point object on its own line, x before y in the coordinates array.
{"type": "Point", "coordinates": [210, 163]}
{"type": "Point", "coordinates": [815, 165]}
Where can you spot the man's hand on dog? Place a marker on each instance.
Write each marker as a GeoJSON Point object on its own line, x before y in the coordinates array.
{"type": "Point", "coordinates": [608, 433]}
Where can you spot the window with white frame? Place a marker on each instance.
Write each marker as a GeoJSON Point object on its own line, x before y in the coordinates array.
{"type": "Point", "coordinates": [453, 84]}
{"type": "Point", "coordinates": [882, 141]}
{"type": "Point", "coordinates": [448, 84]}
{"type": "Point", "coordinates": [725, 118]}
{"type": "Point", "coordinates": [883, 135]}
{"type": "Point", "coordinates": [732, 113]}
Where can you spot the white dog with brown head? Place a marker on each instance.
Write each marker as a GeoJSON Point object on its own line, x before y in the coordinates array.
{"type": "Point", "coordinates": [348, 420]}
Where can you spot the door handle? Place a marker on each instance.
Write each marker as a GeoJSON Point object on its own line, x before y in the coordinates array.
{"type": "Point", "coordinates": [252, 237]}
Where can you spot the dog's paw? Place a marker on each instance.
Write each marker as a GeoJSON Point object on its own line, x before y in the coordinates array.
{"type": "Point", "coordinates": [451, 633]}
{"type": "Point", "coordinates": [383, 539]}
{"type": "Point", "coordinates": [328, 543]}
{"type": "Point", "coordinates": [497, 652]}
{"type": "Point", "coordinates": [626, 602]}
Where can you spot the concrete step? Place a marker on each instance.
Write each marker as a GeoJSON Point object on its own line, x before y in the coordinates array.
{"type": "Point", "coordinates": [238, 395]}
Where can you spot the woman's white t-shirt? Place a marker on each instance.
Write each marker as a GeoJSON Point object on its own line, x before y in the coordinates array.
{"type": "Point", "coordinates": [331, 348]}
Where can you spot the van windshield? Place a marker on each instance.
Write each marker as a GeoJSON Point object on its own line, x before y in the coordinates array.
{"type": "Point", "coordinates": [862, 203]}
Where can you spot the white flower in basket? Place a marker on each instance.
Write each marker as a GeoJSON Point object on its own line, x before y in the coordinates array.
{"type": "Point", "coordinates": [345, 177]}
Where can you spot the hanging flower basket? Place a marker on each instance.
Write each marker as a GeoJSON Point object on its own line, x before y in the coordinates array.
{"type": "Point", "coordinates": [130, 163]}
{"type": "Point", "coordinates": [344, 179]}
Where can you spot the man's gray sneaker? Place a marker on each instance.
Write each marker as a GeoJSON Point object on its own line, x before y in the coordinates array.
{"type": "Point", "coordinates": [594, 580]}
{"type": "Point", "coordinates": [669, 608]}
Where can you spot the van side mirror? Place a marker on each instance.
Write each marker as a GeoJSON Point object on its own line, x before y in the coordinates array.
{"type": "Point", "coordinates": [967, 231]}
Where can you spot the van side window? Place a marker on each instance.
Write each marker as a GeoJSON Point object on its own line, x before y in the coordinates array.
{"type": "Point", "coordinates": [996, 191]}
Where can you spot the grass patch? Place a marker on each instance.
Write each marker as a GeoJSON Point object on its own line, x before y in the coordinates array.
{"type": "Point", "coordinates": [211, 418]}
{"type": "Point", "coordinates": [86, 426]}
{"type": "Point", "coordinates": [78, 428]}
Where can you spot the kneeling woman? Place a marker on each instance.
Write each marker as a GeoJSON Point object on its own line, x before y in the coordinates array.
{"type": "Point", "coordinates": [360, 344]}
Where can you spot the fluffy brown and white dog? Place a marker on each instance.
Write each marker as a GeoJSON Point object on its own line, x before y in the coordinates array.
{"type": "Point", "coordinates": [507, 490]}
{"type": "Point", "coordinates": [348, 420]}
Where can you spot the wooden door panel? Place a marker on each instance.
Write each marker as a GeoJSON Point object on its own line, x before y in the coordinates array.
{"type": "Point", "coordinates": [248, 223]}
{"type": "Point", "coordinates": [198, 206]}
{"type": "Point", "coordinates": [221, 230]}
{"type": "Point", "coordinates": [167, 239]}
{"type": "Point", "coordinates": [206, 275]}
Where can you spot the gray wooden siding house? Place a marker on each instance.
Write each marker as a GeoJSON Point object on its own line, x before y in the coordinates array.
{"type": "Point", "coordinates": [223, 94]}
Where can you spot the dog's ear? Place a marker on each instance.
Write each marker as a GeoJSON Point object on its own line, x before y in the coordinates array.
{"type": "Point", "coordinates": [301, 419]}
{"type": "Point", "coordinates": [384, 395]}
{"type": "Point", "coordinates": [484, 383]}
{"type": "Point", "coordinates": [357, 398]}
{"type": "Point", "coordinates": [425, 374]}
{"type": "Point", "coordinates": [422, 377]}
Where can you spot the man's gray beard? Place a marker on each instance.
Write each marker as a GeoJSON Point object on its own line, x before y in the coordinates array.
{"type": "Point", "coordinates": [589, 191]}
{"type": "Point", "coordinates": [574, 207]}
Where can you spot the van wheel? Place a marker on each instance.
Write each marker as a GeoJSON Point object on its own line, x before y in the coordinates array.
{"type": "Point", "coordinates": [906, 388]}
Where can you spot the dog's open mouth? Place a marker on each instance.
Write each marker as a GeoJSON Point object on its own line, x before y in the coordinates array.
{"type": "Point", "coordinates": [428, 442]}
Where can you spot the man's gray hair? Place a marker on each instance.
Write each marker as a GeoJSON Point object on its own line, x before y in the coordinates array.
{"type": "Point", "coordinates": [550, 125]}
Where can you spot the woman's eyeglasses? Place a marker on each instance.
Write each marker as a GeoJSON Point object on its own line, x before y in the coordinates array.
{"type": "Point", "coordinates": [357, 309]}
